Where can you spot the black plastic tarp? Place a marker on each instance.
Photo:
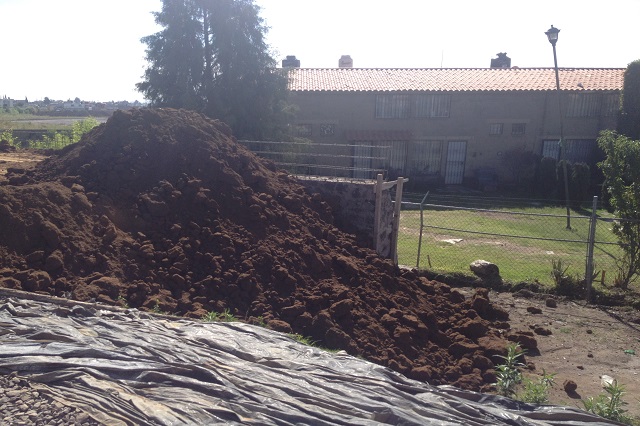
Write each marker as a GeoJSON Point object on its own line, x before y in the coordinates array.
{"type": "Point", "coordinates": [125, 367]}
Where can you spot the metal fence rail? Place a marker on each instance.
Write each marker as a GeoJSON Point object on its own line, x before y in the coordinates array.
{"type": "Point", "coordinates": [525, 243]}
{"type": "Point", "coordinates": [349, 161]}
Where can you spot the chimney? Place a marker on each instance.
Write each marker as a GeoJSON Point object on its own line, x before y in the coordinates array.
{"type": "Point", "coordinates": [345, 62]}
{"type": "Point", "coordinates": [291, 62]}
{"type": "Point", "coordinates": [502, 61]}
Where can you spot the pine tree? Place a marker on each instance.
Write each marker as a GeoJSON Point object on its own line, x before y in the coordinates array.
{"type": "Point", "coordinates": [629, 119]}
{"type": "Point", "coordinates": [211, 56]}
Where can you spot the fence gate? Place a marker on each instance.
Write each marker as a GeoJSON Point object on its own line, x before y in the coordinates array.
{"type": "Point", "coordinates": [454, 171]}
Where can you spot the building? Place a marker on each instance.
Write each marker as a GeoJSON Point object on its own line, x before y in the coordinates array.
{"type": "Point", "coordinates": [448, 125]}
{"type": "Point", "coordinates": [6, 102]}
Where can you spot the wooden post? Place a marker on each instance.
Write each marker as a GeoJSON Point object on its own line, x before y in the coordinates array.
{"type": "Point", "coordinates": [377, 213]}
{"type": "Point", "coordinates": [396, 220]}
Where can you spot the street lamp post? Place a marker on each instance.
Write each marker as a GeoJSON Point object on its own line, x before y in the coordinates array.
{"type": "Point", "coordinates": [552, 35]}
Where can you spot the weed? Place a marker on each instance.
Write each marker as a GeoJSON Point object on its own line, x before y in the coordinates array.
{"type": "Point", "coordinates": [609, 404]}
{"type": "Point", "coordinates": [123, 302]}
{"type": "Point", "coordinates": [305, 340]}
{"type": "Point", "coordinates": [537, 392]}
{"type": "Point", "coordinates": [508, 374]}
{"type": "Point", "coordinates": [224, 316]}
{"type": "Point", "coordinates": [261, 322]}
{"type": "Point", "coordinates": [558, 271]}
{"type": "Point", "coordinates": [156, 309]}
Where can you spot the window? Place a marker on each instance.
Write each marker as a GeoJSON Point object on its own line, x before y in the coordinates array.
{"type": "Point", "coordinates": [518, 128]}
{"type": "Point", "coordinates": [327, 129]}
{"type": "Point", "coordinates": [304, 130]}
{"type": "Point", "coordinates": [432, 105]}
{"type": "Point", "coordinates": [583, 105]}
{"type": "Point", "coordinates": [495, 128]}
{"type": "Point", "coordinates": [392, 106]}
{"type": "Point", "coordinates": [577, 150]}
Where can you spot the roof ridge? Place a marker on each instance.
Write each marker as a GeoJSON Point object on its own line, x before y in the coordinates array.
{"type": "Point", "coordinates": [453, 68]}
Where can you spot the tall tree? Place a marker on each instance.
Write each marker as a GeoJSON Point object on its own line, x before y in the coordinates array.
{"type": "Point", "coordinates": [629, 119]}
{"type": "Point", "coordinates": [212, 57]}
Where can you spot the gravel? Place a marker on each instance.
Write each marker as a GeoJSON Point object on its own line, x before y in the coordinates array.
{"type": "Point", "coordinates": [20, 404]}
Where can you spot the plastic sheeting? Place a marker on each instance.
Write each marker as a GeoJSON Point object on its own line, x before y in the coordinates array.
{"type": "Point", "coordinates": [125, 367]}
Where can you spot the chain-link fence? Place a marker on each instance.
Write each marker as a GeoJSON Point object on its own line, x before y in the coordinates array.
{"type": "Point", "coordinates": [528, 240]}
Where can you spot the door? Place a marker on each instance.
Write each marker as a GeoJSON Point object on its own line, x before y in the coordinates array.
{"type": "Point", "coordinates": [456, 154]}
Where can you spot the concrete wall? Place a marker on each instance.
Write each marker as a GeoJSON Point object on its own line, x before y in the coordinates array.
{"type": "Point", "coordinates": [471, 114]}
{"type": "Point", "coordinates": [353, 205]}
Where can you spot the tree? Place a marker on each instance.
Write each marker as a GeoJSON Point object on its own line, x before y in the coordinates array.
{"type": "Point", "coordinates": [621, 169]}
{"type": "Point", "coordinates": [211, 57]}
{"type": "Point", "coordinates": [629, 118]}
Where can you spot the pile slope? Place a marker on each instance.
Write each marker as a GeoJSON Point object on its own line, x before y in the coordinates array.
{"type": "Point", "coordinates": [162, 209]}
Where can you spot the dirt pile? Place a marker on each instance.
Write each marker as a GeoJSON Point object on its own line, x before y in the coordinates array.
{"type": "Point", "coordinates": [162, 209]}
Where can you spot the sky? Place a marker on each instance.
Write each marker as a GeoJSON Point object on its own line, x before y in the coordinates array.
{"type": "Point", "coordinates": [91, 49]}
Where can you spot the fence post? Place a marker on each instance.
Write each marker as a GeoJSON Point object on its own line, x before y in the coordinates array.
{"type": "Point", "coordinates": [421, 227]}
{"type": "Point", "coordinates": [378, 213]}
{"type": "Point", "coordinates": [590, 244]}
{"type": "Point", "coordinates": [396, 219]}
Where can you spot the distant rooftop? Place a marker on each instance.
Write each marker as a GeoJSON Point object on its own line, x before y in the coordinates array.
{"type": "Point", "coordinates": [453, 79]}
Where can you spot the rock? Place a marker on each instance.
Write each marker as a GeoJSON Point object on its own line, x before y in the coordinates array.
{"type": "Point", "coordinates": [569, 386]}
{"type": "Point", "coordinates": [551, 302]}
{"type": "Point", "coordinates": [484, 269]}
{"type": "Point", "coordinates": [542, 331]}
{"type": "Point", "coordinates": [534, 310]}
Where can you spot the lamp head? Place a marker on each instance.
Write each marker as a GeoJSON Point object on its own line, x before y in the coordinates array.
{"type": "Point", "coordinates": [552, 35]}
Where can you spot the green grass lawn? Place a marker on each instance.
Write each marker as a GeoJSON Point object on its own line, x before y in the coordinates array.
{"type": "Point", "coordinates": [447, 249]}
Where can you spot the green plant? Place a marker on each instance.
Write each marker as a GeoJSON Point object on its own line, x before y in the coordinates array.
{"type": "Point", "coordinates": [508, 375]}
{"type": "Point", "coordinates": [558, 271]}
{"type": "Point", "coordinates": [59, 140]}
{"type": "Point", "coordinates": [537, 391]}
{"type": "Point", "coordinates": [156, 309]}
{"type": "Point", "coordinates": [261, 322]}
{"type": "Point", "coordinates": [305, 340]}
{"type": "Point", "coordinates": [122, 301]}
{"type": "Point", "coordinates": [7, 135]}
{"type": "Point", "coordinates": [621, 169]}
{"type": "Point", "coordinates": [566, 285]}
{"type": "Point", "coordinates": [609, 403]}
{"type": "Point", "coordinates": [629, 118]}
{"type": "Point", "coordinates": [224, 316]}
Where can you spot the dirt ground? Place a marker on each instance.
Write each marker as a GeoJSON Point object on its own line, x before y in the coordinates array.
{"type": "Point", "coordinates": [584, 343]}
{"type": "Point", "coordinates": [152, 233]}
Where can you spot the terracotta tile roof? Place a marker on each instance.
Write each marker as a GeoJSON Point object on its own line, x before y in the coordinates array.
{"type": "Point", "coordinates": [452, 79]}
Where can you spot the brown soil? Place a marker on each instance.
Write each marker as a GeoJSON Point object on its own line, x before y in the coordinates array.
{"type": "Point", "coordinates": [579, 343]}
{"type": "Point", "coordinates": [162, 209]}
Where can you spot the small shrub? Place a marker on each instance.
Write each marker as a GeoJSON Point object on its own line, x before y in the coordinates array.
{"type": "Point", "coordinates": [609, 404]}
{"type": "Point", "coordinates": [537, 392]}
{"type": "Point", "coordinates": [508, 374]}
{"type": "Point", "coordinates": [566, 285]}
{"type": "Point", "coordinates": [224, 316]}
{"type": "Point", "coordinates": [558, 271]}
{"type": "Point", "coordinates": [303, 339]}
